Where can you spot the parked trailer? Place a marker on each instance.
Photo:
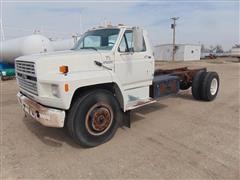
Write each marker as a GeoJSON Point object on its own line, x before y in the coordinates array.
{"type": "Point", "coordinates": [235, 52]}
{"type": "Point", "coordinates": [7, 74]}
{"type": "Point", "coordinates": [7, 71]}
{"type": "Point", "coordinates": [91, 89]}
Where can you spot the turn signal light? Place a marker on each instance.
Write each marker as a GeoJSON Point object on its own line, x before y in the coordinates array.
{"type": "Point", "coordinates": [63, 69]}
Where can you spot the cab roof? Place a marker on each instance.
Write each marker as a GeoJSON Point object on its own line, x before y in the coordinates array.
{"type": "Point", "coordinates": [109, 26]}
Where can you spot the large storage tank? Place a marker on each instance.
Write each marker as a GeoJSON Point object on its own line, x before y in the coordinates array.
{"type": "Point", "coordinates": [32, 44]}
{"type": "Point", "coordinates": [61, 45]}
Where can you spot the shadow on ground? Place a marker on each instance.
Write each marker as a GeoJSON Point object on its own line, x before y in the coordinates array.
{"type": "Point", "coordinates": [56, 137]}
{"type": "Point", "coordinates": [50, 136]}
{"type": "Point", "coordinates": [138, 114]}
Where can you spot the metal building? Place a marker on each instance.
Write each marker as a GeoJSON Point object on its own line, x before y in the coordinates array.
{"type": "Point", "coordinates": [184, 52]}
{"type": "Point", "coordinates": [235, 51]}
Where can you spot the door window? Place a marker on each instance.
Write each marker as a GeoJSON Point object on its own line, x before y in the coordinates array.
{"type": "Point", "coordinates": [127, 44]}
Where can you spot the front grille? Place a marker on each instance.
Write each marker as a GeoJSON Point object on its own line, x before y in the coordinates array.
{"type": "Point", "coordinates": [25, 68]}
{"type": "Point", "coordinates": [26, 76]}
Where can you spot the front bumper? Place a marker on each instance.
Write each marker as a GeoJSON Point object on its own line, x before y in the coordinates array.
{"type": "Point", "coordinates": [46, 116]}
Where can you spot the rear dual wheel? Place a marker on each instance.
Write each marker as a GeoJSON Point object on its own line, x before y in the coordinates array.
{"type": "Point", "coordinates": [210, 86]}
{"type": "Point", "coordinates": [184, 85]}
{"type": "Point", "coordinates": [205, 85]}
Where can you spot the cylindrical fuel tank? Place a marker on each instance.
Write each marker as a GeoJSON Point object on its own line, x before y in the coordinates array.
{"type": "Point", "coordinates": [27, 45]}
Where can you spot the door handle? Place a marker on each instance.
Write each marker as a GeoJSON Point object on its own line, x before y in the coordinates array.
{"type": "Point", "coordinates": [147, 57]}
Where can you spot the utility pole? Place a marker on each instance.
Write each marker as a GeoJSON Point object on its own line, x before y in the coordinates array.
{"type": "Point", "coordinates": [1, 23]}
{"type": "Point", "coordinates": [2, 31]}
{"type": "Point", "coordinates": [173, 26]}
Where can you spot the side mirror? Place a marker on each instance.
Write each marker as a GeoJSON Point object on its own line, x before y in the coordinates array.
{"type": "Point", "coordinates": [137, 39]}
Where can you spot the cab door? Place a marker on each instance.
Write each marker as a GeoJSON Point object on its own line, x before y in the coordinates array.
{"type": "Point", "coordinates": [134, 68]}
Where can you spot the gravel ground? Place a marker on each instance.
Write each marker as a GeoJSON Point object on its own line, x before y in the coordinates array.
{"type": "Point", "coordinates": [176, 138]}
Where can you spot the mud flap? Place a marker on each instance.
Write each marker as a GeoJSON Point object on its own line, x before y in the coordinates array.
{"type": "Point", "coordinates": [127, 119]}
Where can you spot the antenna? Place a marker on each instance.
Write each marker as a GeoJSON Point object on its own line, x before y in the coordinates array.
{"type": "Point", "coordinates": [105, 22]}
{"type": "Point", "coordinates": [80, 23]}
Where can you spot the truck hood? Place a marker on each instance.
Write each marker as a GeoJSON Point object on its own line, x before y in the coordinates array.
{"type": "Point", "coordinates": [76, 60]}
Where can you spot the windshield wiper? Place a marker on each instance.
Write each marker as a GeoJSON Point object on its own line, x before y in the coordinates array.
{"type": "Point", "coordinates": [89, 48]}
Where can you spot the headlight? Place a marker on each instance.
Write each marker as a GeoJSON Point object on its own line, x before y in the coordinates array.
{"type": "Point", "coordinates": [55, 90]}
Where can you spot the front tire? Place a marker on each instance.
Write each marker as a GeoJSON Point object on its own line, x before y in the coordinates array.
{"type": "Point", "coordinates": [94, 118]}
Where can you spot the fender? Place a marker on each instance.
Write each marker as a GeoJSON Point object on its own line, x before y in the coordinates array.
{"type": "Point", "coordinates": [77, 80]}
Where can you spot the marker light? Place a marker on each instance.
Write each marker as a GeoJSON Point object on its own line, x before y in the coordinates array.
{"type": "Point", "coordinates": [63, 69]}
{"type": "Point", "coordinates": [66, 88]}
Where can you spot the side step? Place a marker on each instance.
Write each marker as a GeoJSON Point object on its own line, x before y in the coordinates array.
{"type": "Point", "coordinates": [139, 103]}
{"type": "Point", "coordinates": [133, 105]}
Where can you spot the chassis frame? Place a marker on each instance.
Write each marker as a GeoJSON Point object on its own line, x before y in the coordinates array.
{"type": "Point", "coordinates": [184, 73]}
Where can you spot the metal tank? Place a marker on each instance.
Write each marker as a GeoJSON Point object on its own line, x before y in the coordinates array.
{"type": "Point", "coordinates": [27, 45]}
{"type": "Point", "coordinates": [61, 45]}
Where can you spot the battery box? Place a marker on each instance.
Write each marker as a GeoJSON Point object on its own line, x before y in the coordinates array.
{"type": "Point", "coordinates": [164, 85]}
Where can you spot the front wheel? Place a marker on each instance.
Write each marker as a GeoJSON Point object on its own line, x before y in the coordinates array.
{"type": "Point", "coordinates": [94, 118]}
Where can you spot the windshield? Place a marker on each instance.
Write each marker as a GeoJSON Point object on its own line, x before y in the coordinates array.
{"type": "Point", "coordinates": [101, 39]}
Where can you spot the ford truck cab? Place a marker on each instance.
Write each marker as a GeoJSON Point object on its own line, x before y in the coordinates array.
{"type": "Point", "coordinates": [90, 88]}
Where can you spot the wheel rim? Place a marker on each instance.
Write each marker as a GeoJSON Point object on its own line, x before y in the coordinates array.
{"type": "Point", "coordinates": [99, 119]}
{"type": "Point", "coordinates": [214, 86]}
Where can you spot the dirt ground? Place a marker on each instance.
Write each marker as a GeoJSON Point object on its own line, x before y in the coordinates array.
{"type": "Point", "coordinates": [176, 138]}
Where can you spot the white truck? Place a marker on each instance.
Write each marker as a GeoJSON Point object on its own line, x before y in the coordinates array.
{"type": "Point", "coordinates": [91, 89]}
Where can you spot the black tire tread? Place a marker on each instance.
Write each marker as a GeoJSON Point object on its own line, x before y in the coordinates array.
{"type": "Point", "coordinates": [184, 86]}
{"type": "Point", "coordinates": [197, 84]}
{"type": "Point", "coordinates": [73, 111]}
{"type": "Point", "coordinates": [205, 89]}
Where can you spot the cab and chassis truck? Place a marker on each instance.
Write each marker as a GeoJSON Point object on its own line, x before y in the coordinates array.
{"type": "Point", "coordinates": [91, 88]}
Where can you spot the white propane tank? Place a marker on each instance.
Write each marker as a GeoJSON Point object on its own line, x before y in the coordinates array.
{"type": "Point", "coordinates": [27, 45]}
{"type": "Point", "coordinates": [61, 45]}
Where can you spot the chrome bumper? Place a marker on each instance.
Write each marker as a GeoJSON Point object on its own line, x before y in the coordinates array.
{"type": "Point", "coordinates": [46, 116]}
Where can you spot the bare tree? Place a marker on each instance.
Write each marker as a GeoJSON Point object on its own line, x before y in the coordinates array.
{"type": "Point", "coordinates": [219, 49]}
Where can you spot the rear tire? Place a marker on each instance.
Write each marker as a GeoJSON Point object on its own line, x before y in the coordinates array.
{"type": "Point", "coordinates": [197, 84]}
{"type": "Point", "coordinates": [210, 86]}
{"type": "Point", "coordinates": [184, 85]}
{"type": "Point", "coordinates": [94, 118]}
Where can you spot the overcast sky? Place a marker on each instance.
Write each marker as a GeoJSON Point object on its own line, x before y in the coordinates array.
{"type": "Point", "coordinates": [205, 22]}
